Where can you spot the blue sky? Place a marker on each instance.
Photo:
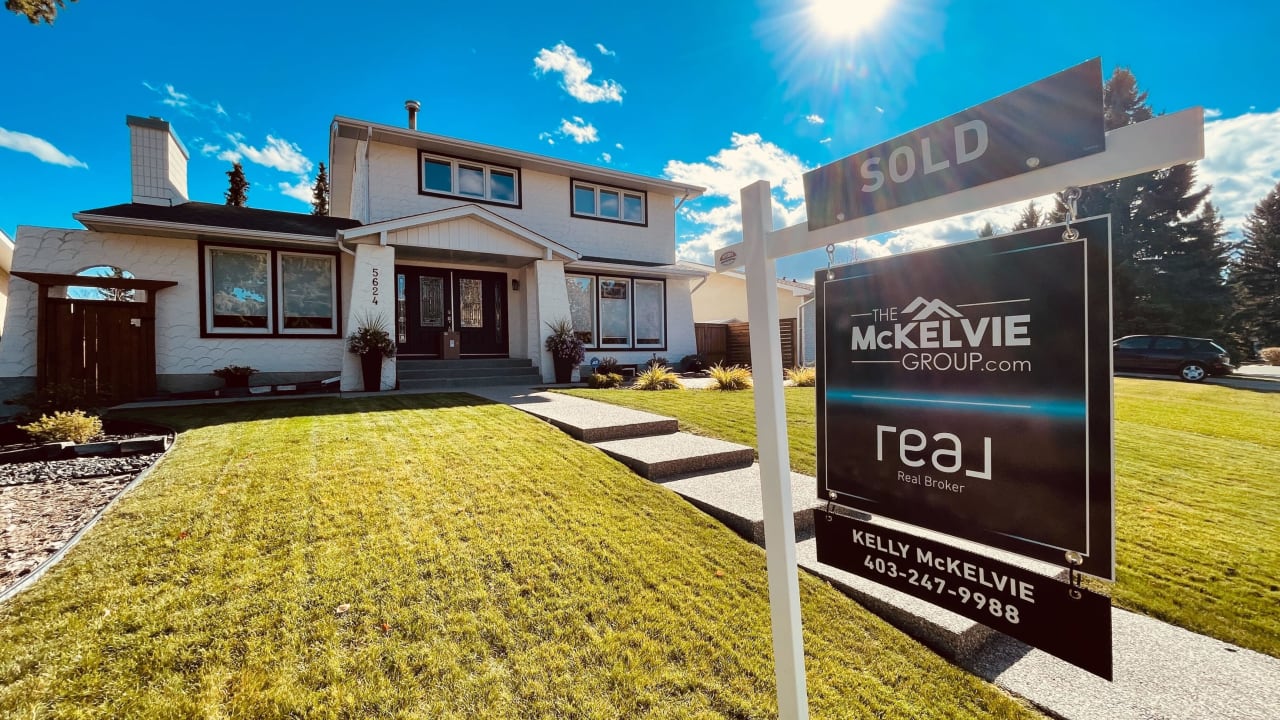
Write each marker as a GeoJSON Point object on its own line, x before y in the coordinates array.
{"type": "Point", "coordinates": [715, 93]}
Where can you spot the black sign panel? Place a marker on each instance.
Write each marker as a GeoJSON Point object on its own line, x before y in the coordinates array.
{"type": "Point", "coordinates": [967, 389]}
{"type": "Point", "coordinates": [1069, 623]}
{"type": "Point", "coordinates": [1045, 123]}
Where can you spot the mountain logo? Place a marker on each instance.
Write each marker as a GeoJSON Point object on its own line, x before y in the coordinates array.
{"type": "Point", "coordinates": [930, 307]}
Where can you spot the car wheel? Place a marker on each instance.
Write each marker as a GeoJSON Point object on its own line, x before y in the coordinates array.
{"type": "Point", "coordinates": [1193, 372]}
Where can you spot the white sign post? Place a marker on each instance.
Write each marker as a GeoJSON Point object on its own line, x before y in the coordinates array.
{"type": "Point", "coordinates": [1158, 143]}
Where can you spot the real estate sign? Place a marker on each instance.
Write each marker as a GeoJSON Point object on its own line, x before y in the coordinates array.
{"type": "Point", "coordinates": [1045, 123]}
{"type": "Point", "coordinates": [967, 389]}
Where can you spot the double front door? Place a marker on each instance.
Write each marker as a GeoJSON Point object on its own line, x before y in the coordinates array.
{"type": "Point", "coordinates": [431, 302]}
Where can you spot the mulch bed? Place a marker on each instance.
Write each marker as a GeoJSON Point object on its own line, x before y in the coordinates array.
{"type": "Point", "coordinates": [44, 503]}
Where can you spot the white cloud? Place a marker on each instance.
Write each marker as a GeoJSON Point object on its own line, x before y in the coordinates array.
{"type": "Point", "coordinates": [618, 145]}
{"type": "Point", "coordinates": [579, 130]}
{"type": "Point", "coordinates": [606, 157]}
{"type": "Point", "coordinates": [218, 109]}
{"type": "Point", "coordinates": [547, 136]}
{"type": "Point", "coordinates": [301, 190]}
{"type": "Point", "coordinates": [1210, 113]}
{"type": "Point", "coordinates": [278, 154]}
{"type": "Point", "coordinates": [230, 156]}
{"type": "Point", "coordinates": [605, 51]}
{"type": "Point", "coordinates": [42, 149]}
{"type": "Point", "coordinates": [1241, 162]}
{"type": "Point", "coordinates": [748, 159]}
{"type": "Point", "coordinates": [814, 119]}
{"type": "Point", "coordinates": [879, 109]}
{"type": "Point", "coordinates": [576, 73]}
{"type": "Point", "coordinates": [184, 102]}
{"type": "Point", "coordinates": [824, 140]}
{"type": "Point", "coordinates": [209, 149]}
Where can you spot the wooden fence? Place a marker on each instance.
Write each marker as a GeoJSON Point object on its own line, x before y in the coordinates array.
{"type": "Point", "coordinates": [730, 343]}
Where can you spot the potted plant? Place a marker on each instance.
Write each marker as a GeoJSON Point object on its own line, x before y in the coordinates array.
{"type": "Point", "coordinates": [235, 376]}
{"type": "Point", "coordinates": [372, 343]}
{"type": "Point", "coordinates": [566, 349]}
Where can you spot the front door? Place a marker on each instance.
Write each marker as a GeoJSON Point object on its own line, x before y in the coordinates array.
{"type": "Point", "coordinates": [433, 301]}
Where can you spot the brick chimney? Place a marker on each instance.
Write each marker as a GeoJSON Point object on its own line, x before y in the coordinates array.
{"type": "Point", "coordinates": [158, 162]}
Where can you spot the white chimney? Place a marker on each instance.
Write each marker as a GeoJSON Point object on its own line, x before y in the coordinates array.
{"type": "Point", "coordinates": [158, 162]}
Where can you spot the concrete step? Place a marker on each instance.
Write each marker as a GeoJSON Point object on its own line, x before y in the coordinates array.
{"type": "Point", "coordinates": [419, 373]}
{"type": "Point", "coordinates": [466, 382]}
{"type": "Point", "coordinates": [428, 363]}
{"type": "Point", "coordinates": [662, 456]}
{"type": "Point", "coordinates": [733, 498]}
{"type": "Point", "coordinates": [951, 635]}
{"type": "Point", "coordinates": [591, 421]}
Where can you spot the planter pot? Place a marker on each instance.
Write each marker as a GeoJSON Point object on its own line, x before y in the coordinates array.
{"type": "Point", "coordinates": [564, 370]}
{"type": "Point", "coordinates": [371, 371]}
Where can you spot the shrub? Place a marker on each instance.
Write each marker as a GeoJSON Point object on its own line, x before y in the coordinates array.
{"type": "Point", "coordinates": [657, 377]}
{"type": "Point", "coordinates": [609, 366]}
{"type": "Point", "coordinates": [1271, 355]}
{"type": "Point", "coordinates": [62, 397]}
{"type": "Point", "coordinates": [230, 371]}
{"type": "Point", "coordinates": [600, 380]}
{"type": "Point", "coordinates": [72, 426]}
{"type": "Point", "coordinates": [371, 336]}
{"type": "Point", "coordinates": [563, 343]}
{"type": "Point", "coordinates": [656, 361]}
{"type": "Point", "coordinates": [731, 378]}
{"type": "Point", "coordinates": [693, 363]}
{"type": "Point", "coordinates": [803, 376]}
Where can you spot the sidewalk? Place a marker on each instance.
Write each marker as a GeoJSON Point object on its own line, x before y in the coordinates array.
{"type": "Point", "coordinates": [1161, 671]}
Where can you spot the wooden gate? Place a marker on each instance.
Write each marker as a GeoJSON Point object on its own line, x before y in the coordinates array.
{"type": "Point", "coordinates": [730, 343]}
{"type": "Point", "coordinates": [107, 347]}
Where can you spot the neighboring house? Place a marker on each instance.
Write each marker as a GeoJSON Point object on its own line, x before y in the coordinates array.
{"type": "Point", "coordinates": [459, 249]}
{"type": "Point", "coordinates": [6, 264]}
{"type": "Point", "coordinates": [722, 297]}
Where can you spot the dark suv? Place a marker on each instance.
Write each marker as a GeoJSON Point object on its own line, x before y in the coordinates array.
{"type": "Point", "coordinates": [1192, 359]}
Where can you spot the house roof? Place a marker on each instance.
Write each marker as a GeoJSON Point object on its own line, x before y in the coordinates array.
{"type": "Point", "coordinates": [353, 129]}
{"type": "Point", "coordinates": [193, 215]}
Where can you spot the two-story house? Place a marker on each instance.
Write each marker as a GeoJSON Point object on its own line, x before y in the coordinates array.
{"type": "Point", "coordinates": [462, 250]}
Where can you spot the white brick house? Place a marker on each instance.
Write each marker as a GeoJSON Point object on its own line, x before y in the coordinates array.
{"type": "Point", "coordinates": [461, 249]}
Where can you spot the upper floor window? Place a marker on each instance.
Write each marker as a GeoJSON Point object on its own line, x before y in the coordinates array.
{"type": "Point", "coordinates": [464, 178]}
{"type": "Point", "coordinates": [608, 203]}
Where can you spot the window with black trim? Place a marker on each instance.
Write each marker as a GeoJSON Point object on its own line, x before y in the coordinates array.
{"type": "Point", "coordinates": [260, 291]}
{"type": "Point", "coordinates": [466, 179]}
{"type": "Point", "coordinates": [601, 202]}
{"type": "Point", "coordinates": [610, 311]}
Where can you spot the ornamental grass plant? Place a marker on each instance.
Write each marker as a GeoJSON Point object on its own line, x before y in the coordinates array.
{"type": "Point", "coordinates": [657, 377]}
{"type": "Point", "coordinates": [733, 377]}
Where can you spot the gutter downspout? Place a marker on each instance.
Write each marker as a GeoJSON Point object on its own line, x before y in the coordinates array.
{"type": "Point", "coordinates": [368, 176]}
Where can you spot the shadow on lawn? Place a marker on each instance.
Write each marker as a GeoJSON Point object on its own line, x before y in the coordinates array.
{"type": "Point", "coordinates": [190, 417]}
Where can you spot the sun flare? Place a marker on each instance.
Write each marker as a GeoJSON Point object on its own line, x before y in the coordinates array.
{"type": "Point", "coordinates": [846, 18]}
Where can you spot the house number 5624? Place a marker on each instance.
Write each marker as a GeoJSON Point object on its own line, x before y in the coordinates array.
{"type": "Point", "coordinates": [375, 286]}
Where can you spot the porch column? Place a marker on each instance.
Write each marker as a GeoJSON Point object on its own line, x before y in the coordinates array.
{"type": "Point", "coordinates": [373, 297]}
{"type": "Point", "coordinates": [552, 304]}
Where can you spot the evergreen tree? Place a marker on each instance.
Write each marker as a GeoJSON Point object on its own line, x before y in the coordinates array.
{"type": "Point", "coordinates": [238, 193]}
{"type": "Point", "coordinates": [987, 230]}
{"type": "Point", "coordinates": [1255, 274]}
{"type": "Point", "coordinates": [1031, 217]}
{"type": "Point", "coordinates": [320, 193]}
{"type": "Point", "coordinates": [36, 11]}
{"type": "Point", "coordinates": [1165, 242]}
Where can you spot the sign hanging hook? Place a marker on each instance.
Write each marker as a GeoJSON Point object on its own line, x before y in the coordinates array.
{"type": "Point", "coordinates": [1072, 195]}
{"type": "Point", "coordinates": [1074, 560]}
{"type": "Point", "coordinates": [831, 258]}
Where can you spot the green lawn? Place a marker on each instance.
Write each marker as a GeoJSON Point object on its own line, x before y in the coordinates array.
{"type": "Point", "coordinates": [1197, 494]}
{"type": "Point", "coordinates": [429, 557]}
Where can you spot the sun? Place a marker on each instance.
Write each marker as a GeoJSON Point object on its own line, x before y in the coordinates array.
{"type": "Point", "coordinates": [846, 18]}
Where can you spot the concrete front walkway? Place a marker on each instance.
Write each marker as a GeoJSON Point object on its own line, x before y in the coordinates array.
{"type": "Point", "coordinates": [1161, 671]}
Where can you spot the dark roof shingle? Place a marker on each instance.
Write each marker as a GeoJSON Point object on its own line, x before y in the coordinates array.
{"type": "Point", "coordinates": [226, 216]}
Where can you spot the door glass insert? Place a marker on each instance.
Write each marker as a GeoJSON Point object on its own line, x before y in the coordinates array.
{"type": "Point", "coordinates": [471, 302]}
{"type": "Point", "coordinates": [402, 322]}
{"type": "Point", "coordinates": [431, 303]}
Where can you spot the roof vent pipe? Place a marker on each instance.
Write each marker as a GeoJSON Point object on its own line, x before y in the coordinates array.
{"type": "Point", "coordinates": [412, 106]}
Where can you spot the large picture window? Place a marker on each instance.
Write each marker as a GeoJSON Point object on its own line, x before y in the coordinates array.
{"type": "Point", "coordinates": [618, 312]}
{"type": "Point", "coordinates": [601, 202]}
{"type": "Point", "coordinates": [463, 178]}
{"type": "Point", "coordinates": [258, 291]}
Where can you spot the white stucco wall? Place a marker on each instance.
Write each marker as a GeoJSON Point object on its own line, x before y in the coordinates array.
{"type": "Point", "coordinates": [393, 172]}
{"type": "Point", "coordinates": [723, 298]}
{"type": "Point", "coordinates": [180, 351]}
